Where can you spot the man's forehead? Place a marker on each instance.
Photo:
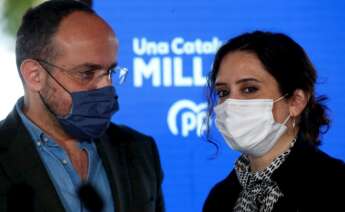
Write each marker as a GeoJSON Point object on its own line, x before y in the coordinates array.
{"type": "Point", "coordinates": [79, 23]}
{"type": "Point", "coordinates": [81, 28]}
{"type": "Point", "coordinates": [84, 37]}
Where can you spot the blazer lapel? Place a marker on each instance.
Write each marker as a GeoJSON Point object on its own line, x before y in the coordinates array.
{"type": "Point", "coordinates": [22, 164]}
{"type": "Point", "coordinates": [113, 155]}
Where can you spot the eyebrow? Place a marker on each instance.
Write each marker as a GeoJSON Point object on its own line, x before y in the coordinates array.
{"type": "Point", "coordinates": [239, 81]}
{"type": "Point", "coordinates": [247, 80]}
{"type": "Point", "coordinates": [94, 66]}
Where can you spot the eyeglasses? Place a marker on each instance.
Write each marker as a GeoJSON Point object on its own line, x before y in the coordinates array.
{"type": "Point", "coordinates": [91, 73]}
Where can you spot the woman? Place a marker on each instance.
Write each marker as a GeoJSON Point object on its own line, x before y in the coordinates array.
{"type": "Point", "coordinates": [267, 110]}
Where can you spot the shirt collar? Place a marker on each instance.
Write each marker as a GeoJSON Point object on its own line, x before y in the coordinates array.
{"type": "Point", "coordinates": [35, 132]}
{"type": "Point", "coordinates": [247, 177]}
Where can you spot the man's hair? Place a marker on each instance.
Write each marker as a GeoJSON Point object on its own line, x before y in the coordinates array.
{"type": "Point", "coordinates": [39, 25]}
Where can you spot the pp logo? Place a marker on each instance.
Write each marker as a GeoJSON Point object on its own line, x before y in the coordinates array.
{"type": "Point", "coordinates": [191, 117]}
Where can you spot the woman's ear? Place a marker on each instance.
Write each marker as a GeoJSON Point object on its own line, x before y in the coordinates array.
{"type": "Point", "coordinates": [297, 102]}
{"type": "Point", "coordinates": [31, 74]}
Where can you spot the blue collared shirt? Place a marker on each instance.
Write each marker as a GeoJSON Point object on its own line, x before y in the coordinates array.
{"type": "Point", "coordinates": [61, 171]}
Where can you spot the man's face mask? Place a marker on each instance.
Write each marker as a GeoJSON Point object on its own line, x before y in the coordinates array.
{"type": "Point", "coordinates": [90, 113]}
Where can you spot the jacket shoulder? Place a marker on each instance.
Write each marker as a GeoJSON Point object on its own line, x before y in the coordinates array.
{"type": "Point", "coordinates": [9, 127]}
{"type": "Point", "coordinates": [125, 134]}
{"type": "Point", "coordinates": [223, 195]}
{"type": "Point", "coordinates": [332, 170]}
{"type": "Point", "coordinates": [311, 179]}
{"type": "Point", "coordinates": [320, 161]}
{"type": "Point", "coordinates": [324, 183]}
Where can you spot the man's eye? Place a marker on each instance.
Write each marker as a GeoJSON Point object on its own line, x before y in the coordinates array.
{"type": "Point", "coordinates": [86, 75]}
{"type": "Point", "coordinates": [222, 93]}
{"type": "Point", "coordinates": [249, 90]}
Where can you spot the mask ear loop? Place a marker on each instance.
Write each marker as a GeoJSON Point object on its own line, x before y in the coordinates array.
{"type": "Point", "coordinates": [44, 102]}
{"type": "Point", "coordinates": [280, 98]}
{"type": "Point", "coordinates": [289, 116]}
{"type": "Point", "coordinates": [287, 119]}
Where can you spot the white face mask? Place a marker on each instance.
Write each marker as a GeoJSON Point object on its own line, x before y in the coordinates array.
{"type": "Point", "coordinates": [248, 126]}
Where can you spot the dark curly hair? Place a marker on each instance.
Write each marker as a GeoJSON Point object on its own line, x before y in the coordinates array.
{"type": "Point", "coordinates": [288, 63]}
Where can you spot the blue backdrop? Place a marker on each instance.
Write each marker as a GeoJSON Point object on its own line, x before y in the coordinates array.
{"type": "Point", "coordinates": [168, 47]}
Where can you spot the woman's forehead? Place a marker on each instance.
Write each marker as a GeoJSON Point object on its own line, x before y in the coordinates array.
{"type": "Point", "coordinates": [238, 65]}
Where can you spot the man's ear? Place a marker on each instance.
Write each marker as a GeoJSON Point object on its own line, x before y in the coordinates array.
{"type": "Point", "coordinates": [32, 74]}
{"type": "Point", "coordinates": [297, 102]}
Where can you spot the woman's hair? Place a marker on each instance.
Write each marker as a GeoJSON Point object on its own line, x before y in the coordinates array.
{"type": "Point", "coordinates": [287, 62]}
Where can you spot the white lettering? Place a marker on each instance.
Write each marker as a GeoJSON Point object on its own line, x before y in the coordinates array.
{"type": "Point", "coordinates": [143, 70]}
{"type": "Point", "coordinates": [199, 79]}
{"type": "Point", "coordinates": [142, 46]}
{"type": "Point", "coordinates": [179, 79]}
{"type": "Point", "coordinates": [179, 46]}
{"type": "Point", "coordinates": [176, 49]}
{"type": "Point", "coordinates": [188, 121]}
{"type": "Point", "coordinates": [167, 72]}
{"type": "Point", "coordinates": [192, 117]}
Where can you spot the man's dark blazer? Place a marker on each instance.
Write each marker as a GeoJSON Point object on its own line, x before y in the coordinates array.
{"type": "Point", "coordinates": [130, 159]}
{"type": "Point", "coordinates": [310, 180]}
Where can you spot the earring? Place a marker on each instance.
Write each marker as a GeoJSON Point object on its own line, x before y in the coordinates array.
{"type": "Point", "coordinates": [293, 123]}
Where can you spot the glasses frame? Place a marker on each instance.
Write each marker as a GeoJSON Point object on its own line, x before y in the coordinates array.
{"type": "Point", "coordinates": [118, 80]}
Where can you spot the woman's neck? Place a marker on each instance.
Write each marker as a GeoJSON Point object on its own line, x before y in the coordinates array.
{"type": "Point", "coordinates": [282, 145]}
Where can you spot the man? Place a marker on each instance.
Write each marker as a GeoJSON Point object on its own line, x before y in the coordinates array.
{"type": "Point", "coordinates": [59, 136]}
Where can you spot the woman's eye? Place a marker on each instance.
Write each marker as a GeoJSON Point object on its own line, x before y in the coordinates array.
{"type": "Point", "coordinates": [222, 93]}
{"type": "Point", "coordinates": [249, 90]}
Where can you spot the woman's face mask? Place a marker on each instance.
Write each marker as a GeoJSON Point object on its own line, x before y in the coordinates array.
{"type": "Point", "coordinates": [248, 126]}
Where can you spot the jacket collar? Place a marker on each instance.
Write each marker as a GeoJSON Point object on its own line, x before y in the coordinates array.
{"type": "Point", "coordinates": [113, 150]}
{"type": "Point", "coordinates": [22, 164]}
{"type": "Point", "coordinates": [291, 175]}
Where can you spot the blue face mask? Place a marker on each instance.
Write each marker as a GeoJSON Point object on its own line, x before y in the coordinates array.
{"type": "Point", "coordinates": [90, 114]}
